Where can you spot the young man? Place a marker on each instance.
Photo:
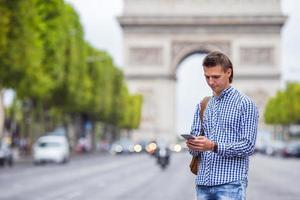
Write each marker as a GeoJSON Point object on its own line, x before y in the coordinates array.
{"type": "Point", "coordinates": [230, 127]}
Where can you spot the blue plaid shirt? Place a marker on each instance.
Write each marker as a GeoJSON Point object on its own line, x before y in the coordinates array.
{"type": "Point", "coordinates": [230, 119]}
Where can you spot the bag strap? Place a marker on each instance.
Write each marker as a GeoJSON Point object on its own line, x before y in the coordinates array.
{"type": "Point", "coordinates": [203, 105]}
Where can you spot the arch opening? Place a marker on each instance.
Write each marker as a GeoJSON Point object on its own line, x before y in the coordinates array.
{"type": "Point", "coordinates": [189, 75]}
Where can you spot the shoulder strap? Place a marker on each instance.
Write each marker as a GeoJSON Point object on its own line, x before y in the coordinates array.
{"type": "Point", "coordinates": [203, 105]}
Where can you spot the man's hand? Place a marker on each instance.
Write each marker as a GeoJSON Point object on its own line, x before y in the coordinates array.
{"type": "Point", "coordinates": [200, 143]}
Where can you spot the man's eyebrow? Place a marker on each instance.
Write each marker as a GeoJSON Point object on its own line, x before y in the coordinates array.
{"type": "Point", "coordinates": [212, 75]}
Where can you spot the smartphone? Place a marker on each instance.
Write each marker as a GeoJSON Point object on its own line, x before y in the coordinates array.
{"type": "Point", "coordinates": [188, 136]}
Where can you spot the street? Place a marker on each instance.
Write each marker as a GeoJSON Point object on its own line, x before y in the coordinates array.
{"type": "Point", "coordinates": [273, 178]}
{"type": "Point", "coordinates": [137, 177]}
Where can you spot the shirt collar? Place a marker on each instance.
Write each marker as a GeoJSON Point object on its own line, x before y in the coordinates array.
{"type": "Point", "coordinates": [224, 93]}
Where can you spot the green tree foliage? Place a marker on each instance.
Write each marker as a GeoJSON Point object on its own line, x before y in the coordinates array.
{"type": "Point", "coordinates": [137, 102]}
{"type": "Point", "coordinates": [293, 96]}
{"type": "Point", "coordinates": [269, 115]}
{"type": "Point", "coordinates": [45, 59]}
{"type": "Point", "coordinates": [5, 17]}
{"type": "Point", "coordinates": [283, 109]}
{"type": "Point", "coordinates": [118, 86]}
{"type": "Point", "coordinates": [74, 93]}
{"type": "Point", "coordinates": [124, 109]}
{"type": "Point", "coordinates": [100, 69]}
{"type": "Point", "coordinates": [53, 33]}
{"type": "Point", "coordinates": [131, 111]}
{"type": "Point", "coordinates": [24, 54]}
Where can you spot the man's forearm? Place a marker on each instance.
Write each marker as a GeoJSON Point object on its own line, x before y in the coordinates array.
{"type": "Point", "coordinates": [235, 149]}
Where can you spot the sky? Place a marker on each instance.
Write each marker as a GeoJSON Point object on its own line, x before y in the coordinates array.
{"type": "Point", "coordinates": [102, 30]}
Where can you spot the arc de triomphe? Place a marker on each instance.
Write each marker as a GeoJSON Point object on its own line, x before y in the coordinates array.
{"type": "Point", "coordinates": [159, 34]}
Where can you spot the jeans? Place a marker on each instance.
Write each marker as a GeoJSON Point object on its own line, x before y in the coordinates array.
{"type": "Point", "coordinates": [230, 191]}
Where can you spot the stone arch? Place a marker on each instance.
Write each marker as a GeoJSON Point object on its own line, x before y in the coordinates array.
{"type": "Point", "coordinates": [182, 50]}
{"type": "Point", "coordinates": [157, 39]}
{"type": "Point", "coordinates": [188, 51]}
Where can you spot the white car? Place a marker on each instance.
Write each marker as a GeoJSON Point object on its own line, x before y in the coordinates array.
{"type": "Point", "coordinates": [51, 148]}
{"type": "Point", "coordinates": [6, 155]}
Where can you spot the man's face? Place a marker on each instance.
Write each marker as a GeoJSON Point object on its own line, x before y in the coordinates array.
{"type": "Point", "coordinates": [217, 78]}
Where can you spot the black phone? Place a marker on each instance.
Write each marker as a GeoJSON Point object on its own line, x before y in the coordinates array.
{"type": "Point", "coordinates": [187, 136]}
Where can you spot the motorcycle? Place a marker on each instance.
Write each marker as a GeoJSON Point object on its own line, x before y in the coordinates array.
{"type": "Point", "coordinates": [163, 157]}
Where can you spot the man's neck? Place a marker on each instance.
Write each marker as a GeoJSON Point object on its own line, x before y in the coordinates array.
{"type": "Point", "coordinates": [218, 94]}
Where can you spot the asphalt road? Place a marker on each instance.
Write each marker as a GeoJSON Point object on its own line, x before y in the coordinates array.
{"type": "Point", "coordinates": [273, 178]}
{"type": "Point", "coordinates": [137, 177]}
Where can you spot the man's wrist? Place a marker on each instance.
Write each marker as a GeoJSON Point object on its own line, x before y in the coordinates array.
{"type": "Point", "coordinates": [212, 146]}
{"type": "Point", "coordinates": [215, 147]}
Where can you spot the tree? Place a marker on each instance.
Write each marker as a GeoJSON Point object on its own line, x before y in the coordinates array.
{"type": "Point", "coordinates": [101, 72]}
{"type": "Point", "coordinates": [73, 92]}
{"type": "Point", "coordinates": [5, 17]}
{"type": "Point", "coordinates": [24, 52]}
{"type": "Point", "coordinates": [56, 74]}
{"type": "Point", "coordinates": [131, 111]}
{"type": "Point", "coordinates": [137, 102]}
{"type": "Point", "coordinates": [54, 36]}
{"type": "Point", "coordinates": [293, 96]}
{"type": "Point", "coordinates": [283, 109]}
{"type": "Point", "coordinates": [278, 110]}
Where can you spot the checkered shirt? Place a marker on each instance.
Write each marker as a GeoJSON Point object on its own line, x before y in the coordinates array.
{"type": "Point", "coordinates": [230, 120]}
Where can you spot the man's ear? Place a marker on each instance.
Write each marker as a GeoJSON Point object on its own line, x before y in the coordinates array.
{"type": "Point", "coordinates": [228, 72]}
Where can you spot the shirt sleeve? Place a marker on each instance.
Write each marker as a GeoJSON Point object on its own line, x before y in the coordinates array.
{"type": "Point", "coordinates": [196, 127]}
{"type": "Point", "coordinates": [248, 132]}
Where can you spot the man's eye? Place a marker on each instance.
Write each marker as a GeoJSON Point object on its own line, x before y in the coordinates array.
{"type": "Point", "coordinates": [213, 77]}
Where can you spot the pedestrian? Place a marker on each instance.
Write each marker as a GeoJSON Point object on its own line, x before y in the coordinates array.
{"type": "Point", "coordinates": [230, 127]}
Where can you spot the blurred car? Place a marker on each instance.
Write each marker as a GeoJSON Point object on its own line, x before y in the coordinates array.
{"type": "Point", "coordinates": [292, 149]}
{"type": "Point", "coordinates": [6, 155]}
{"type": "Point", "coordinates": [122, 146]}
{"type": "Point", "coordinates": [276, 148]}
{"type": "Point", "coordinates": [51, 148]}
{"type": "Point", "coordinates": [263, 140]}
{"type": "Point", "coordinates": [59, 131]}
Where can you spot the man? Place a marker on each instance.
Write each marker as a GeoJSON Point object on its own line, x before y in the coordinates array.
{"type": "Point", "coordinates": [230, 127]}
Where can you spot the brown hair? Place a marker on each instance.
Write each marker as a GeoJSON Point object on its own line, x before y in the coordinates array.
{"type": "Point", "coordinates": [215, 58]}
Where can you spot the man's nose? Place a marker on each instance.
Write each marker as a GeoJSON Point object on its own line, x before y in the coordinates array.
{"type": "Point", "coordinates": [210, 80]}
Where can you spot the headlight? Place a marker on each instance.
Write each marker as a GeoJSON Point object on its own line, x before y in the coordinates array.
{"type": "Point", "coordinates": [137, 148]}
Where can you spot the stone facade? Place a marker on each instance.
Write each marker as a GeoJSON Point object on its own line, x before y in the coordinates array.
{"type": "Point", "coordinates": [159, 38]}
